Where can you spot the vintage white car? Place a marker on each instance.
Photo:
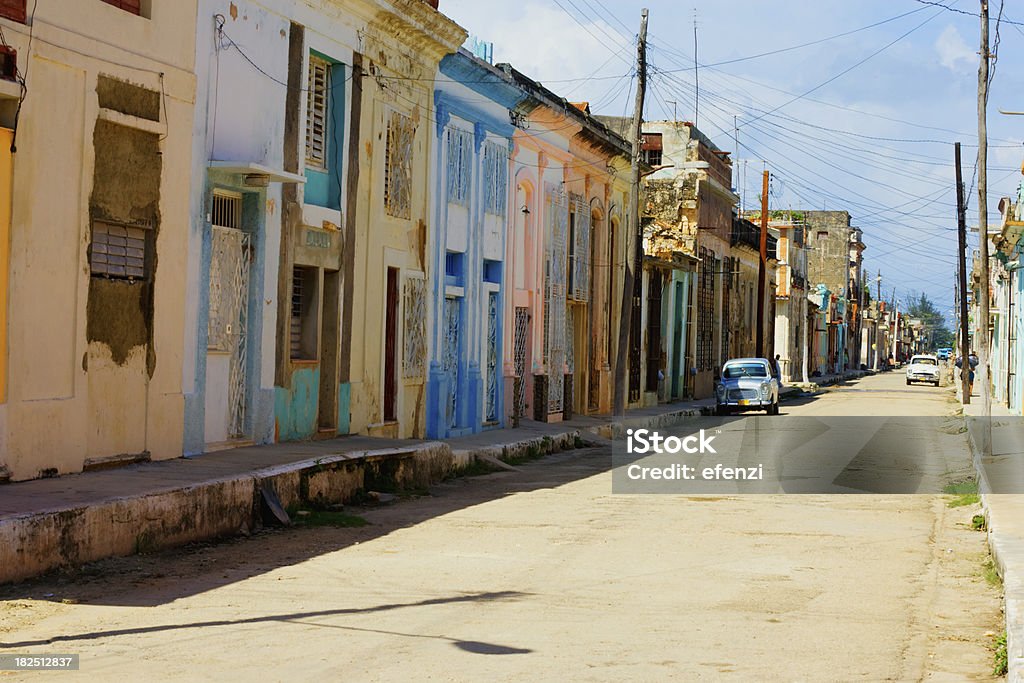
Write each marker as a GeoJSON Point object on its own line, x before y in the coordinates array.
{"type": "Point", "coordinates": [923, 369]}
{"type": "Point", "coordinates": [747, 384]}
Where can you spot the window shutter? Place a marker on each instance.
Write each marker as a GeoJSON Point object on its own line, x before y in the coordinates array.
{"type": "Point", "coordinates": [13, 9]}
{"type": "Point", "coordinates": [316, 113]}
{"type": "Point", "coordinates": [133, 6]}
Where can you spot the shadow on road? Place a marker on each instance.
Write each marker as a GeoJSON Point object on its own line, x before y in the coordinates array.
{"type": "Point", "coordinates": [158, 578]}
{"type": "Point", "coordinates": [295, 617]}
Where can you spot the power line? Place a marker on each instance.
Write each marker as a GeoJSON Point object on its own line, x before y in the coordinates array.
{"type": "Point", "coordinates": [964, 12]}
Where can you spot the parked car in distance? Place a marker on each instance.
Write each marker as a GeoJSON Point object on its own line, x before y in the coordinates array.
{"type": "Point", "coordinates": [923, 369]}
{"type": "Point", "coordinates": [747, 384]}
{"type": "Point", "coordinates": [943, 354]}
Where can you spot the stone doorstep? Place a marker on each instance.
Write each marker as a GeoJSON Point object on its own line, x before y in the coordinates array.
{"type": "Point", "coordinates": [1006, 544]}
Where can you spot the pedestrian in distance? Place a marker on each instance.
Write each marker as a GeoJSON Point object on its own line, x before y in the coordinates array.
{"type": "Point", "coordinates": [777, 368]}
{"type": "Point", "coordinates": [972, 363]}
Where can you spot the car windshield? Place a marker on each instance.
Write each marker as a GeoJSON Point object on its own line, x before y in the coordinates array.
{"type": "Point", "coordinates": [736, 370]}
{"type": "Point", "coordinates": [922, 360]}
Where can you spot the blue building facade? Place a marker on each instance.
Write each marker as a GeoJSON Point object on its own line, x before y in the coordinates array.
{"type": "Point", "coordinates": [467, 292]}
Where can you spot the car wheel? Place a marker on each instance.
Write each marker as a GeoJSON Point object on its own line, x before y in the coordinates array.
{"type": "Point", "coordinates": [908, 382]}
{"type": "Point", "coordinates": [774, 410]}
{"type": "Point", "coordinates": [936, 382]}
{"type": "Point", "coordinates": [721, 410]}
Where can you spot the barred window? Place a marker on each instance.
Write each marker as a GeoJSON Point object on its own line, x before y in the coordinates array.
{"type": "Point", "coordinates": [460, 160]}
{"type": "Point", "coordinates": [415, 295]}
{"type": "Point", "coordinates": [398, 166]}
{"type": "Point", "coordinates": [706, 310]}
{"type": "Point", "coordinates": [316, 112]}
{"type": "Point", "coordinates": [495, 178]}
{"type": "Point", "coordinates": [119, 250]}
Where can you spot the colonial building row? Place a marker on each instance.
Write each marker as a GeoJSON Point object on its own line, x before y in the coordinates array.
{"type": "Point", "coordinates": [252, 221]}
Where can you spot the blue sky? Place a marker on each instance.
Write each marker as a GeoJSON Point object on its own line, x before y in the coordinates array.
{"type": "Point", "coordinates": [876, 140]}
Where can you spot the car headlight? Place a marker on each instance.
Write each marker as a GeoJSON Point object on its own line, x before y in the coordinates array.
{"type": "Point", "coordinates": [720, 390]}
{"type": "Point", "coordinates": [766, 390]}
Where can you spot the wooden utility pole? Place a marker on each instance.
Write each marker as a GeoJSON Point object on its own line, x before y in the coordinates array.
{"type": "Point", "coordinates": [983, 304]}
{"type": "Point", "coordinates": [961, 225]}
{"type": "Point", "coordinates": [634, 232]}
{"type": "Point", "coordinates": [762, 267]}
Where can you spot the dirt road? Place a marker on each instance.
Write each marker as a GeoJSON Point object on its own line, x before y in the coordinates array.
{"type": "Point", "coordinates": [544, 574]}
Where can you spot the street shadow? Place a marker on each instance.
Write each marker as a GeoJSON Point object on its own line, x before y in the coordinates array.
{"type": "Point", "coordinates": [476, 647]}
{"type": "Point", "coordinates": [163, 576]}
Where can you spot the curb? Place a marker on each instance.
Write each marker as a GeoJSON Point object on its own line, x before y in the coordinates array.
{"type": "Point", "coordinates": [1005, 550]}
{"type": "Point", "coordinates": [34, 543]}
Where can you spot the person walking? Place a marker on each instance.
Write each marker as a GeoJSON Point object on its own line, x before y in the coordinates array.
{"type": "Point", "coordinates": [777, 368]}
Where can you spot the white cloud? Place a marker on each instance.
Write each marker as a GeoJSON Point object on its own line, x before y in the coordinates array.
{"type": "Point", "coordinates": [953, 51]}
{"type": "Point", "coordinates": [546, 44]}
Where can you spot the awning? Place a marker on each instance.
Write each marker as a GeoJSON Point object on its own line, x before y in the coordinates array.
{"type": "Point", "coordinates": [249, 168]}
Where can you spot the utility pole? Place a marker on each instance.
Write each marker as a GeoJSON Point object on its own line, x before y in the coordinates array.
{"type": "Point", "coordinates": [626, 315]}
{"type": "Point", "coordinates": [961, 225]}
{"type": "Point", "coordinates": [983, 305]}
{"type": "Point", "coordinates": [696, 73]}
{"type": "Point", "coordinates": [762, 266]}
{"type": "Point", "coordinates": [878, 322]}
{"type": "Point", "coordinates": [736, 156]}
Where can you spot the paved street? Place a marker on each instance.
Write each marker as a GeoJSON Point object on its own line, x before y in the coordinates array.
{"type": "Point", "coordinates": [543, 574]}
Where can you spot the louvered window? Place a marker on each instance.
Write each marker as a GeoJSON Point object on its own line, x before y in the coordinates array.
{"type": "Point", "coordinates": [316, 112]}
{"type": "Point", "coordinates": [133, 6]}
{"type": "Point", "coordinates": [13, 9]}
{"type": "Point", "coordinates": [303, 323]}
{"type": "Point", "coordinates": [119, 250]}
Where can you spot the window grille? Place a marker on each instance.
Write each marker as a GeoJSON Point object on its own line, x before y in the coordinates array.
{"type": "Point", "coordinates": [119, 251]}
{"type": "Point", "coordinates": [415, 328]}
{"type": "Point", "coordinates": [491, 412]}
{"type": "Point", "coordinates": [316, 112]}
{"type": "Point", "coordinates": [706, 310]}
{"type": "Point", "coordinates": [460, 160]}
{"type": "Point", "coordinates": [450, 358]}
{"type": "Point", "coordinates": [495, 178]}
{"type": "Point", "coordinates": [227, 210]}
{"type": "Point", "coordinates": [398, 166]}
{"type": "Point", "coordinates": [519, 359]}
{"type": "Point", "coordinates": [579, 249]}
{"type": "Point", "coordinates": [555, 295]}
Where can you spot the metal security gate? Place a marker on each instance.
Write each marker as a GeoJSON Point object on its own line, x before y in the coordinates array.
{"type": "Point", "coordinates": [492, 357]}
{"type": "Point", "coordinates": [519, 387]}
{"type": "Point", "coordinates": [230, 261]}
{"type": "Point", "coordinates": [654, 292]}
{"type": "Point", "coordinates": [636, 330]}
{"type": "Point", "coordinates": [554, 297]}
{"type": "Point", "coordinates": [450, 365]}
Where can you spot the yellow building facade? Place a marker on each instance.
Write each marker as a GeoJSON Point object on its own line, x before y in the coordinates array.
{"type": "Point", "coordinates": [97, 207]}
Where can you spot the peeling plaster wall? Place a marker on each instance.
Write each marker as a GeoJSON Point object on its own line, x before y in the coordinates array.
{"type": "Point", "coordinates": [100, 359]}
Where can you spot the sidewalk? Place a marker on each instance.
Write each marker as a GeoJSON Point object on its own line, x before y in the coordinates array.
{"type": "Point", "coordinates": [999, 459]}
{"type": "Point", "coordinates": [69, 520]}
{"type": "Point", "coordinates": [827, 380]}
